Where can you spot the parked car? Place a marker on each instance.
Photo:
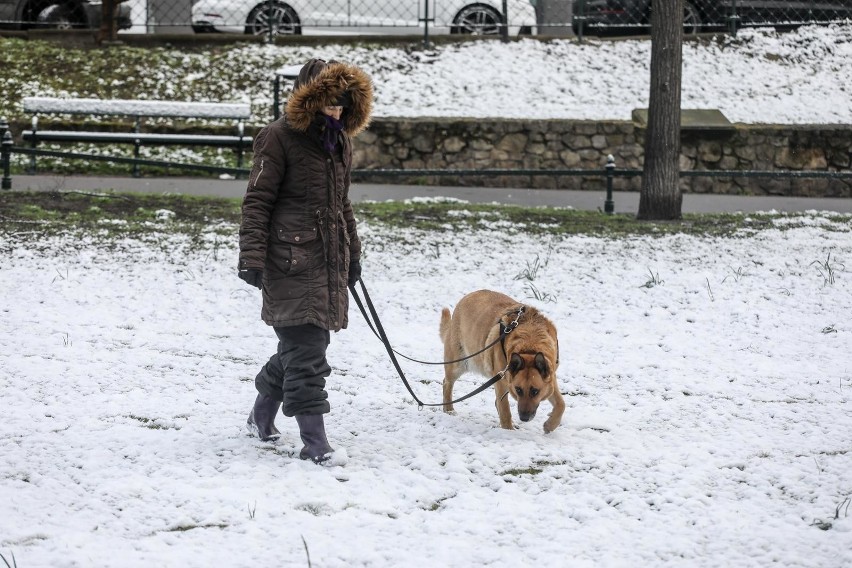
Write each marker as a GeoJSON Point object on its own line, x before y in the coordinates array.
{"type": "Point", "coordinates": [381, 16]}
{"type": "Point", "coordinates": [616, 16]}
{"type": "Point", "coordinates": [57, 14]}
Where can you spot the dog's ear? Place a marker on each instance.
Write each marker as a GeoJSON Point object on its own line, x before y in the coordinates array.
{"type": "Point", "coordinates": [541, 365]}
{"type": "Point", "coordinates": [516, 363]}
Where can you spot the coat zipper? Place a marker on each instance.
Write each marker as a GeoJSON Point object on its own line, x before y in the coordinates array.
{"type": "Point", "coordinates": [259, 173]}
{"type": "Point", "coordinates": [331, 202]}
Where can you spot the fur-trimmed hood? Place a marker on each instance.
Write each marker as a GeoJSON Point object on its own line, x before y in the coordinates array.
{"type": "Point", "coordinates": [333, 81]}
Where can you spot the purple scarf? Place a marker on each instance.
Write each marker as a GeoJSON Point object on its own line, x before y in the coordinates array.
{"type": "Point", "coordinates": [333, 127]}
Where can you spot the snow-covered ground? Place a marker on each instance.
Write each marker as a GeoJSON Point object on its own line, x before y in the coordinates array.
{"type": "Point", "coordinates": [759, 76]}
{"type": "Point", "coordinates": [708, 380]}
{"type": "Point", "coordinates": [708, 384]}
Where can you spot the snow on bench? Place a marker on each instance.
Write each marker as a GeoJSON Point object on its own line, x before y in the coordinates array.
{"type": "Point", "coordinates": [137, 109]}
{"type": "Point", "coordinates": [125, 107]}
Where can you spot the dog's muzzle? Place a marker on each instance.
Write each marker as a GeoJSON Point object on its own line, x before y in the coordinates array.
{"type": "Point", "coordinates": [526, 416]}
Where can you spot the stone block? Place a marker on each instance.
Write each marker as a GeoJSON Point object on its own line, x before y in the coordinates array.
{"type": "Point", "coordinates": [745, 152]}
{"type": "Point", "coordinates": [801, 159]}
{"type": "Point", "coordinates": [729, 163]}
{"type": "Point", "coordinates": [570, 158]}
{"type": "Point", "coordinates": [453, 144]}
{"type": "Point", "coordinates": [709, 152]}
{"type": "Point", "coordinates": [423, 143]}
{"type": "Point", "coordinates": [696, 120]}
{"type": "Point", "coordinates": [577, 142]}
{"type": "Point", "coordinates": [512, 143]}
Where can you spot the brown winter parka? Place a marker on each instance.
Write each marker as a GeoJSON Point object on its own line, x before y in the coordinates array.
{"type": "Point", "coordinates": [297, 225]}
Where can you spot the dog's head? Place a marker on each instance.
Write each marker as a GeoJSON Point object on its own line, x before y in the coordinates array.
{"type": "Point", "coordinates": [531, 380]}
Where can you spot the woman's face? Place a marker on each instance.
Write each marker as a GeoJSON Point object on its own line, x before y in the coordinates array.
{"type": "Point", "coordinates": [333, 111]}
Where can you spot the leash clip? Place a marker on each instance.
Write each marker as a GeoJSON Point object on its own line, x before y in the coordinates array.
{"type": "Point", "coordinates": [507, 329]}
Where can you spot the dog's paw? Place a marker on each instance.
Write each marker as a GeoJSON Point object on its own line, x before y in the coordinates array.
{"type": "Point", "coordinates": [550, 426]}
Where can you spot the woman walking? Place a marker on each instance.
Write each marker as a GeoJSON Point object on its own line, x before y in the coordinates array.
{"type": "Point", "coordinates": [299, 242]}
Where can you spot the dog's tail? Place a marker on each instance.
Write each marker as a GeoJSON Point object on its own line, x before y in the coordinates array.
{"type": "Point", "coordinates": [444, 330]}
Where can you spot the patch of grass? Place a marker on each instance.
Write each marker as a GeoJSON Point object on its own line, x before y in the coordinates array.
{"type": "Point", "coordinates": [534, 292]}
{"type": "Point", "coordinates": [59, 166]}
{"type": "Point", "coordinates": [109, 214]}
{"type": "Point", "coordinates": [151, 423]}
{"type": "Point", "coordinates": [517, 472]}
{"type": "Point", "coordinates": [828, 269]}
{"type": "Point", "coordinates": [538, 466]}
{"type": "Point", "coordinates": [184, 528]}
{"type": "Point", "coordinates": [314, 509]}
{"type": "Point", "coordinates": [438, 503]}
{"type": "Point", "coordinates": [654, 280]}
{"type": "Point", "coordinates": [549, 220]}
{"type": "Point", "coordinates": [737, 274]}
{"type": "Point", "coordinates": [531, 271]}
{"type": "Point", "coordinates": [125, 72]}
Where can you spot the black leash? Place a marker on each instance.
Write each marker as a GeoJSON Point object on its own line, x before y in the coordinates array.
{"type": "Point", "coordinates": [380, 333]}
{"type": "Point", "coordinates": [504, 332]}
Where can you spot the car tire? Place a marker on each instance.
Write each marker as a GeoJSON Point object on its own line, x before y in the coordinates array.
{"type": "Point", "coordinates": [691, 19]}
{"type": "Point", "coordinates": [57, 17]}
{"type": "Point", "coordinates": [284, 20]}
{"type": "Point", "coordinates": [477, 19]}
{"type": "Point", "coordinates": [203, 29]}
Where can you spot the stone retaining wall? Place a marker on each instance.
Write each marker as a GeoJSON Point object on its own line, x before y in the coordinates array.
{"type": "Point", "coordinates": [420, 143]}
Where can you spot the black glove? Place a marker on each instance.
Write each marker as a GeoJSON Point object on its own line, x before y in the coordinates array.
{"type": "Point", "coordinates": [354, 272]}
{"type": "Point", "coordinates": [251, 275]}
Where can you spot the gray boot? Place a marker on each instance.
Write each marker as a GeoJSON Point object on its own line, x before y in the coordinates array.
{"type": "Point", "coordinates": [312, 432]}
{"type": "Point", "coordinates": [261, 420]}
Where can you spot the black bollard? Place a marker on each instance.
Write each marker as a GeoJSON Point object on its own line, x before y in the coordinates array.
{"type": "Point", "coordinates": [609, 205]}
{"type": "Point", "coordinates": [5, 157]}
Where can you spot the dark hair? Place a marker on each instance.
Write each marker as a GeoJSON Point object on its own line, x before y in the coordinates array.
{"type": "Point", "coordinates": [344, 100]}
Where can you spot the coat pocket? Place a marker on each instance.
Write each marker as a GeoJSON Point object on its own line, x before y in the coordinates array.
{"type": "Point", "coordinates": [291, 254]}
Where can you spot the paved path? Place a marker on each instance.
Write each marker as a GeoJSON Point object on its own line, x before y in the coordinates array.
{"type": "Point", "coordinates": [625, 202]}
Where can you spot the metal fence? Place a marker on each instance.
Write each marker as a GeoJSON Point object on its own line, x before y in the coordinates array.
{"type": "Point", "coordinates": [509, 18]}
{"type": "Point", "coordinates": [634, 16]}
{"type": "Point", "coordinates": [608, 172]}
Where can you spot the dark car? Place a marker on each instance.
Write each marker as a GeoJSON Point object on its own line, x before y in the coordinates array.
{"type": "Point", "coordinates": [632, 16]}
{"type": "Point", "coordinates": [57, 14]}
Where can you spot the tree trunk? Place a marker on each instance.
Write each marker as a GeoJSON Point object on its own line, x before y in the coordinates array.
{"type": "Point", "coordinates": [661, 198]}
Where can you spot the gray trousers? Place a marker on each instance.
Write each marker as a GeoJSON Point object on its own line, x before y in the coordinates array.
{"type": "Point", "coordinates": [296, 374]}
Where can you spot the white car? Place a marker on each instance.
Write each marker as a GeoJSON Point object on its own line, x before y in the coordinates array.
{"type": "Point", "coordinates": [361, 16]}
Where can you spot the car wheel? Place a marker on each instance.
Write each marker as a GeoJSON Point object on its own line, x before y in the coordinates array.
{"type": "Point", "coordinates": [477, 20]}
{"type": "Point", "coordinates": [691, 19]}
{"type": "Point", "coordinates": [280, 17]}
{"type": "Point", "coordinates": [55, 16]}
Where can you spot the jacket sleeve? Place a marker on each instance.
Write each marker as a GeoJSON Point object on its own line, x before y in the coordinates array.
{"type": "Point", "coordinates": [352, 229]}
{"type": "Point", "coordinates": [349, 216]}
{"type": "Point", "coordinates": [266, 176]}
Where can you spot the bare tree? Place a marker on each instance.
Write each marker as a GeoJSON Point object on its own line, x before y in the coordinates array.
{"type": "Point", "coordinates": [661, 198]}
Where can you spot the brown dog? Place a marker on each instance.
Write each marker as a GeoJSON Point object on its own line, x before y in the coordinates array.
{"type": "Point", "coordinates": [529, 354]}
